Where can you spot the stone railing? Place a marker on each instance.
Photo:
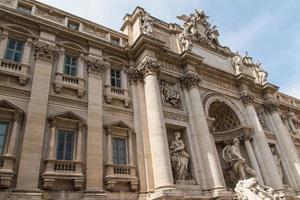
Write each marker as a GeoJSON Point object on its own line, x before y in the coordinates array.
{"type": "Point", "coordinates": [15, 69]}
{"type": "Point", "coordinates": [63, 170]}
{"type": "Point", "coordinates": [116, 93]}
{"type": "Point", "coordinates": [120, 173]}
{"type": "Point", "coordinates": [287, 100]}
{"type": "Point", "coordinates": [7, 173]}
{"type": "Point", "coordinates": [69, 82]}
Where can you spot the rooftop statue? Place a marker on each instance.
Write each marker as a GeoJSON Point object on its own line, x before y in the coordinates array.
{"type": "Point", "coordinates": [146, 23]}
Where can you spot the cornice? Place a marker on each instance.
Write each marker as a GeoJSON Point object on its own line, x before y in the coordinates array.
{"type": "Point", "coordinates": [14, 92]}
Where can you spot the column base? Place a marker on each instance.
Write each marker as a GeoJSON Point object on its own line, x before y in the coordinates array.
{"type": "Point", "coordinates": [94, 196]}
{"type": "Point", "coordinates": [25, 195]}
{"type": "Point", "coordinates": [165, 194]}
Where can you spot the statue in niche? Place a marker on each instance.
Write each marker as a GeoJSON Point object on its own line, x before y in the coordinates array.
{"type": "Point", "coordinates": [249, 189]}
{"type": "Point", "coordinates": [232, 155]}
{"type": "Point", "coordinates": [179, 159]}
{"type": "Point", "coordinates": [277, 161]}
{"type": "Point", "coordinates": [170, 97]}
{"type": "Point", "coordinates": [237, 63]}
{"type": "Point", "coordinates": [147, 23]}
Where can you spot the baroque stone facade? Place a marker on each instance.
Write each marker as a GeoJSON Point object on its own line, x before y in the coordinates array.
{"type": "Point", "coordinates": [159, 111]}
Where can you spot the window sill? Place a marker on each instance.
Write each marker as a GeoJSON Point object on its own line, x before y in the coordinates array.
{"type": "Point", "coordinates": [63, 169]}
{"type": "Point", "coordinates": [70, 82]}
{"type": "Point", "coordinates": [121, 94]}
{"type": "Point", "coordinates": [15, 69]}
{"type": "Point", "coordinates": [120, 173]}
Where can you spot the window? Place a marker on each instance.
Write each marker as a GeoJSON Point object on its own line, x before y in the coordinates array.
{"type": "Point", "coordinates": [24, 9]}
{"type": "Point", "coordinates": [119, 151]}
{"type": "Point", "coordinates": [70, 65]}
{"type": "Point", "coordinates": [115, 41]}
{"type": "Point", "coordinates": [14, 50]}
{"type": "Point", "coordinates": [73, 26]}
{"type": "Point", "coordinates": [116, 78]}
{"type": "Point", "coordinates": [3, 133]}
{"type": "Point", "coordinates": [64, 145]}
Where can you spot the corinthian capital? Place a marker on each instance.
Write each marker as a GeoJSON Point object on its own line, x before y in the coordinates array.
{"type": "Point", "coordinates": [96, 65]}
{"type": "Point", "coordinates": [149, 66]}
{"type": "Point", "coordinates": [190, 79]}
{"type": "Point", "coordinates": [247, 97]}
{"type": "Point", "coordinates": [45, 51]}
{"type": "Point", "coordinates": [271, 105]}
{"type": "Point", "coordinates": [134, 75]}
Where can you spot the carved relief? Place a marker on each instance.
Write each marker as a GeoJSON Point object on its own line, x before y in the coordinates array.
{"type": "Point", "coordinates": [7, 2]}
{"type": "Point", "coordinates": [263, 121]}
{"type": "Point", "coordinates": [45, 51]}
{"type": "Point", "coordinates": [149, 66]}
{"type": "Point", "coordinates": [277, 160]}
{"type": "Point", "coordinates": [247, 97]}
{"type": "Point", "coordinates": [190, 79]}
{"type": "Point", "coordinates": [271, 106]}
{"type": "Point", "coordinates": [96, 65]}
{"type": "Point", "coordinates": [134, 75]}
{"type": "Point", "coordinates": [170, 94]}
{"type": "Point", "coordinates": [51, 15]}
{"type": "Point", "coordinates": [179, 160]}
{"type": "Point", "coordinates": [232, 155]}
{"type": "Point", "coordinates": [94, 31]}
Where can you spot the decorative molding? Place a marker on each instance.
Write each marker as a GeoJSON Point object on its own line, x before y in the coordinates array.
{"type": "Point", "coordinates": [134, 75]}
{"type": "Point", "coordinates": [271, 105]}
{"type": "Point", "coordinates": [97, 66]}
{"type": "Point", "coordinates": [149, 66]}
{"type": "Point", "coordinates": [45, 51]}
{"type": "Point", "coordinates": [190, 79]}
{"type": "Point", "coordinates": [14, 92]}
{"type": "Point", "coordinates": [247, 97]}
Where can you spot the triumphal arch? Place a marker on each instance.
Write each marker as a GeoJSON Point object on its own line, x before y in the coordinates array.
{"type": "Point", "coordinates": [156, 111]}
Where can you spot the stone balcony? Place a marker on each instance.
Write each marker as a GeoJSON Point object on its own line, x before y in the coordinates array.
{"type": "Point", "coordinates": [69, 82]}
{"type": "Point", "coordinates": [7, 173]}
{"type": "Point", "coordinates": [15, 69]}
{"type": "Point", "coordinates": [116, 93]}
{"type": "Point", "coordinates": [120, 173]}
{"type": "Point", "coordinates": [63, 170]}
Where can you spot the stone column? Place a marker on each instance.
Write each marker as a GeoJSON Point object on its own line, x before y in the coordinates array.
{"type": "Point", "coordinates": [134, 76]}
{"type": "Point", "coordinates": [3, 44]}
{"type": "Point", "coordinates": [52, 141]}
{"type": "Point", "coordinates": [163, 178]}
{"type": "Point", "coordinates": [212, 168]}
{"type": "Point", "coordinates": [94, 161]}
{"type": "Point", "coordinates": [130, 151]}
{"type": "Point", "coordinates": [30, 159]}
{"type": "Point", "coordinates": [27, 52]}
{"type": "Point", "coordinates": [284, 140]}
{"type": "Point", "coordinates": [79, 142]}
{"type": "Point", "coordinates": [109, 148]}
{"type": "Point", "coordinates": [61, 61]}
{"type": "Point", "coordinates": [268, 166]}
{"type": "Point", "coordinates": [13, 135]}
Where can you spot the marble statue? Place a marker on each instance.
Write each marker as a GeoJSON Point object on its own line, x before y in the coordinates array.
{"type": "Point", "coordinates": [179, 159]}
{"type": "Point", "coordinates": [277, 161]}
{"type": "Point", "coordinates": [170, 97]}
{"type": "Point", "coordinates": [147, 23]}
{"type": "Point", "coordinates": [213, 34]}
{"type": "Point", "coordinates": [232, 155]}
{"type": "Point", "coordinates": [249, 189]}
{"type": "Point", "coordinates": [261, 74]}
{"type": "Point", "coordinates": [185, 40]}
{"type": "Point", "coordinates": [237, 63]}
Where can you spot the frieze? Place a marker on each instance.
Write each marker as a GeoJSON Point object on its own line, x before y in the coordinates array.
{"type": "Point", "coordinates": [50, 15]}
{"type": "Point", "coordinates": [214, 81]}
{"type": "Point", "coordinates": [170, 67]}
{"type": "Point", "coordinates": [95, 31]}
{"type": "Point", "coordinates": [176, 116]}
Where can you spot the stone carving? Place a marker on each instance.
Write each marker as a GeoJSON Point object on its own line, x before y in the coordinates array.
{"type": "Point", "coordinates": [232, 155]}
{"type": "Point", "coordinates": [247, 97]}
{"type": "Point", "coordinates": [190, 79]}
{"type": "Point", "coordinates": [170, 97]}
{"type": "Point", "coordinates": [95, 31]}
{"type": "Point", "coordinates": [261, 74]}
{"type": "Point", "coordinates": [146, 23]}
{"type": "Point", "coordinates": [179, 159]}
{"type": "Point", "coordinates": [149, 66]}
{"type": "Point", "coordinates": [134, 75]}
{"type": "Point", "coordinates": [45, 51]}
{"type": "Point", "coordinates": [249, 189]}
{"type": "Point", "coordinates": [185, 40]}
{"type": "Point", "coordinates": [96, 65]}
{"type": "Point", "coordinates": [277, 161]}
{"type": "Point", "coordinates": [237, 63]}
{"type": "Point", "coordinates": [213, 34]}
{"type": "Point", "coordinates": [263, 121]}
{"type": "Point", "coordinates": [51, 15]}
{"type": "Point", "coordinates": [271, 105]}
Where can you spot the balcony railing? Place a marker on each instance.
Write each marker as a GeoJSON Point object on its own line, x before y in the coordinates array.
{"type": "Point", "coordinates": [69, 82]}
{"type": "Point", "coordinates": [70, 79]}
{"type": "Point", "coordinates": [122, 169]}
{"type": "Point", "coordinates": [64, 166]}
{"type": "Point", "coordinates": [116, 93]}
{"type": "Point", "coordinates": [15, 69]}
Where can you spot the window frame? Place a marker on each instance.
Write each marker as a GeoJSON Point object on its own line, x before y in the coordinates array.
{"type": "Point", "coordinates": [114, 79]}
{"type": "Point", "coordinates": [70, 66]}
{"type": "Point", "coordinates": [75, 132]}
{"type": "Point", "coordinates": [126, 149]}
{"type": "Point", "coordinates": [24, 8]}
{"type": "Point", "coordinates": [7, 135]}
{"type": "Point", "coordinates": [14, 51]}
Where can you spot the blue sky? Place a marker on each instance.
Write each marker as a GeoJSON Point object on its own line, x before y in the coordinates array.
{"type": "Point", "coordinates": [268, 29]}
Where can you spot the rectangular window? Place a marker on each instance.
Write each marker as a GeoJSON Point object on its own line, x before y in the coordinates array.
{"type": "Point", "coordinates": [14, 50]}
{"type": "Point", "coordinates": [73, 26]}
{"type": "Point", "coordinates": [116, 78]}
{"type": "Point", "coordinates": [119, 151]}
{"type": "Point", "coordinates": [70, 67]}
{"type": "Point", "coordinates": [24, 9]}
{"type": "Point", "coordinates": [65, 145]}
{"type": "Point", "coordinates": [115, 41]}
{"type": "Point", "coordinates": [3, 133]}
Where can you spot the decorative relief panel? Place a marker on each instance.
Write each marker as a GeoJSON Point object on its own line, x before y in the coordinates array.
{"type": "Point", "coordinates": [170, 67]}
{"type": "Point", "coordinates": [170, 95]}
{"type": "Point", "coordinates": [94, 31]}
{"type": "Point", "coordinates": [50, 15]}
{"type": "Point", "coordinates": [7, 2]}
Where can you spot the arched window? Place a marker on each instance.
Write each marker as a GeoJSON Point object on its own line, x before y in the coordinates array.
{"type": "Point", "coordinates": [225, 118]}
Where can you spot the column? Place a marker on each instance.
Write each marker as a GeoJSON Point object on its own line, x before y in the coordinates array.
{"type": "Point", "coordinates": [79, 142]}
{"type": "Point", "coordinates": [27, 52]}
{"type": "Point", "coordinates": [162, 170]}
{"type": "Point", "coordinates": [3, 44]}
{"type": "Point", "coordinates": [130, 152]}
{"type": "Point", "coordinates": [52, 140]}
{"type": "Point", "coordinates": [94, 161]}
{"type": "Point", "coordinates": [253, 160]}
{"type": "Point", "coordinates": [30, 159]}
{"type": "Point", "coordinates": [81, 66]}
{"type": "Point", "coordinates": [212, 168]}
{"type": "Point", "coordinates": [109, 148]}
{"type": "Point", "coordinates": [61, 61]}
{"type": "Point", "coordinates": [284, 140]}
{"type": "Point", "coordinates": [134, 76]}
{"type": "Point", "coordinates": [13, 136]}
{"type": "Point", "coordinates": [108, 77]}
{"type": "Point", "coordinates": [268, 166]}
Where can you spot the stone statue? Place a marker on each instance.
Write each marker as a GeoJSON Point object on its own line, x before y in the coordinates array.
{"type": "Point", "coordinates": [179, 159]}
{"type": "Point", "coordinates": [185, 40]}
{"type": "Point", "coordinates": [170, 97]}
{"type": "Point", "coordinates": [147, 23]}
{"type": "Point", "coordinates": [261, 74]}
{"type": "Point", "coordinates": [237, 63]}
{"type": "Point", "coordinates": [232, 155]}
{"type": "Point", "coordinates": [249, 189]}
{"type": "Point", "coordinates": [277, 161]}
{"type": "Point", "coordinates": [213, 35]}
